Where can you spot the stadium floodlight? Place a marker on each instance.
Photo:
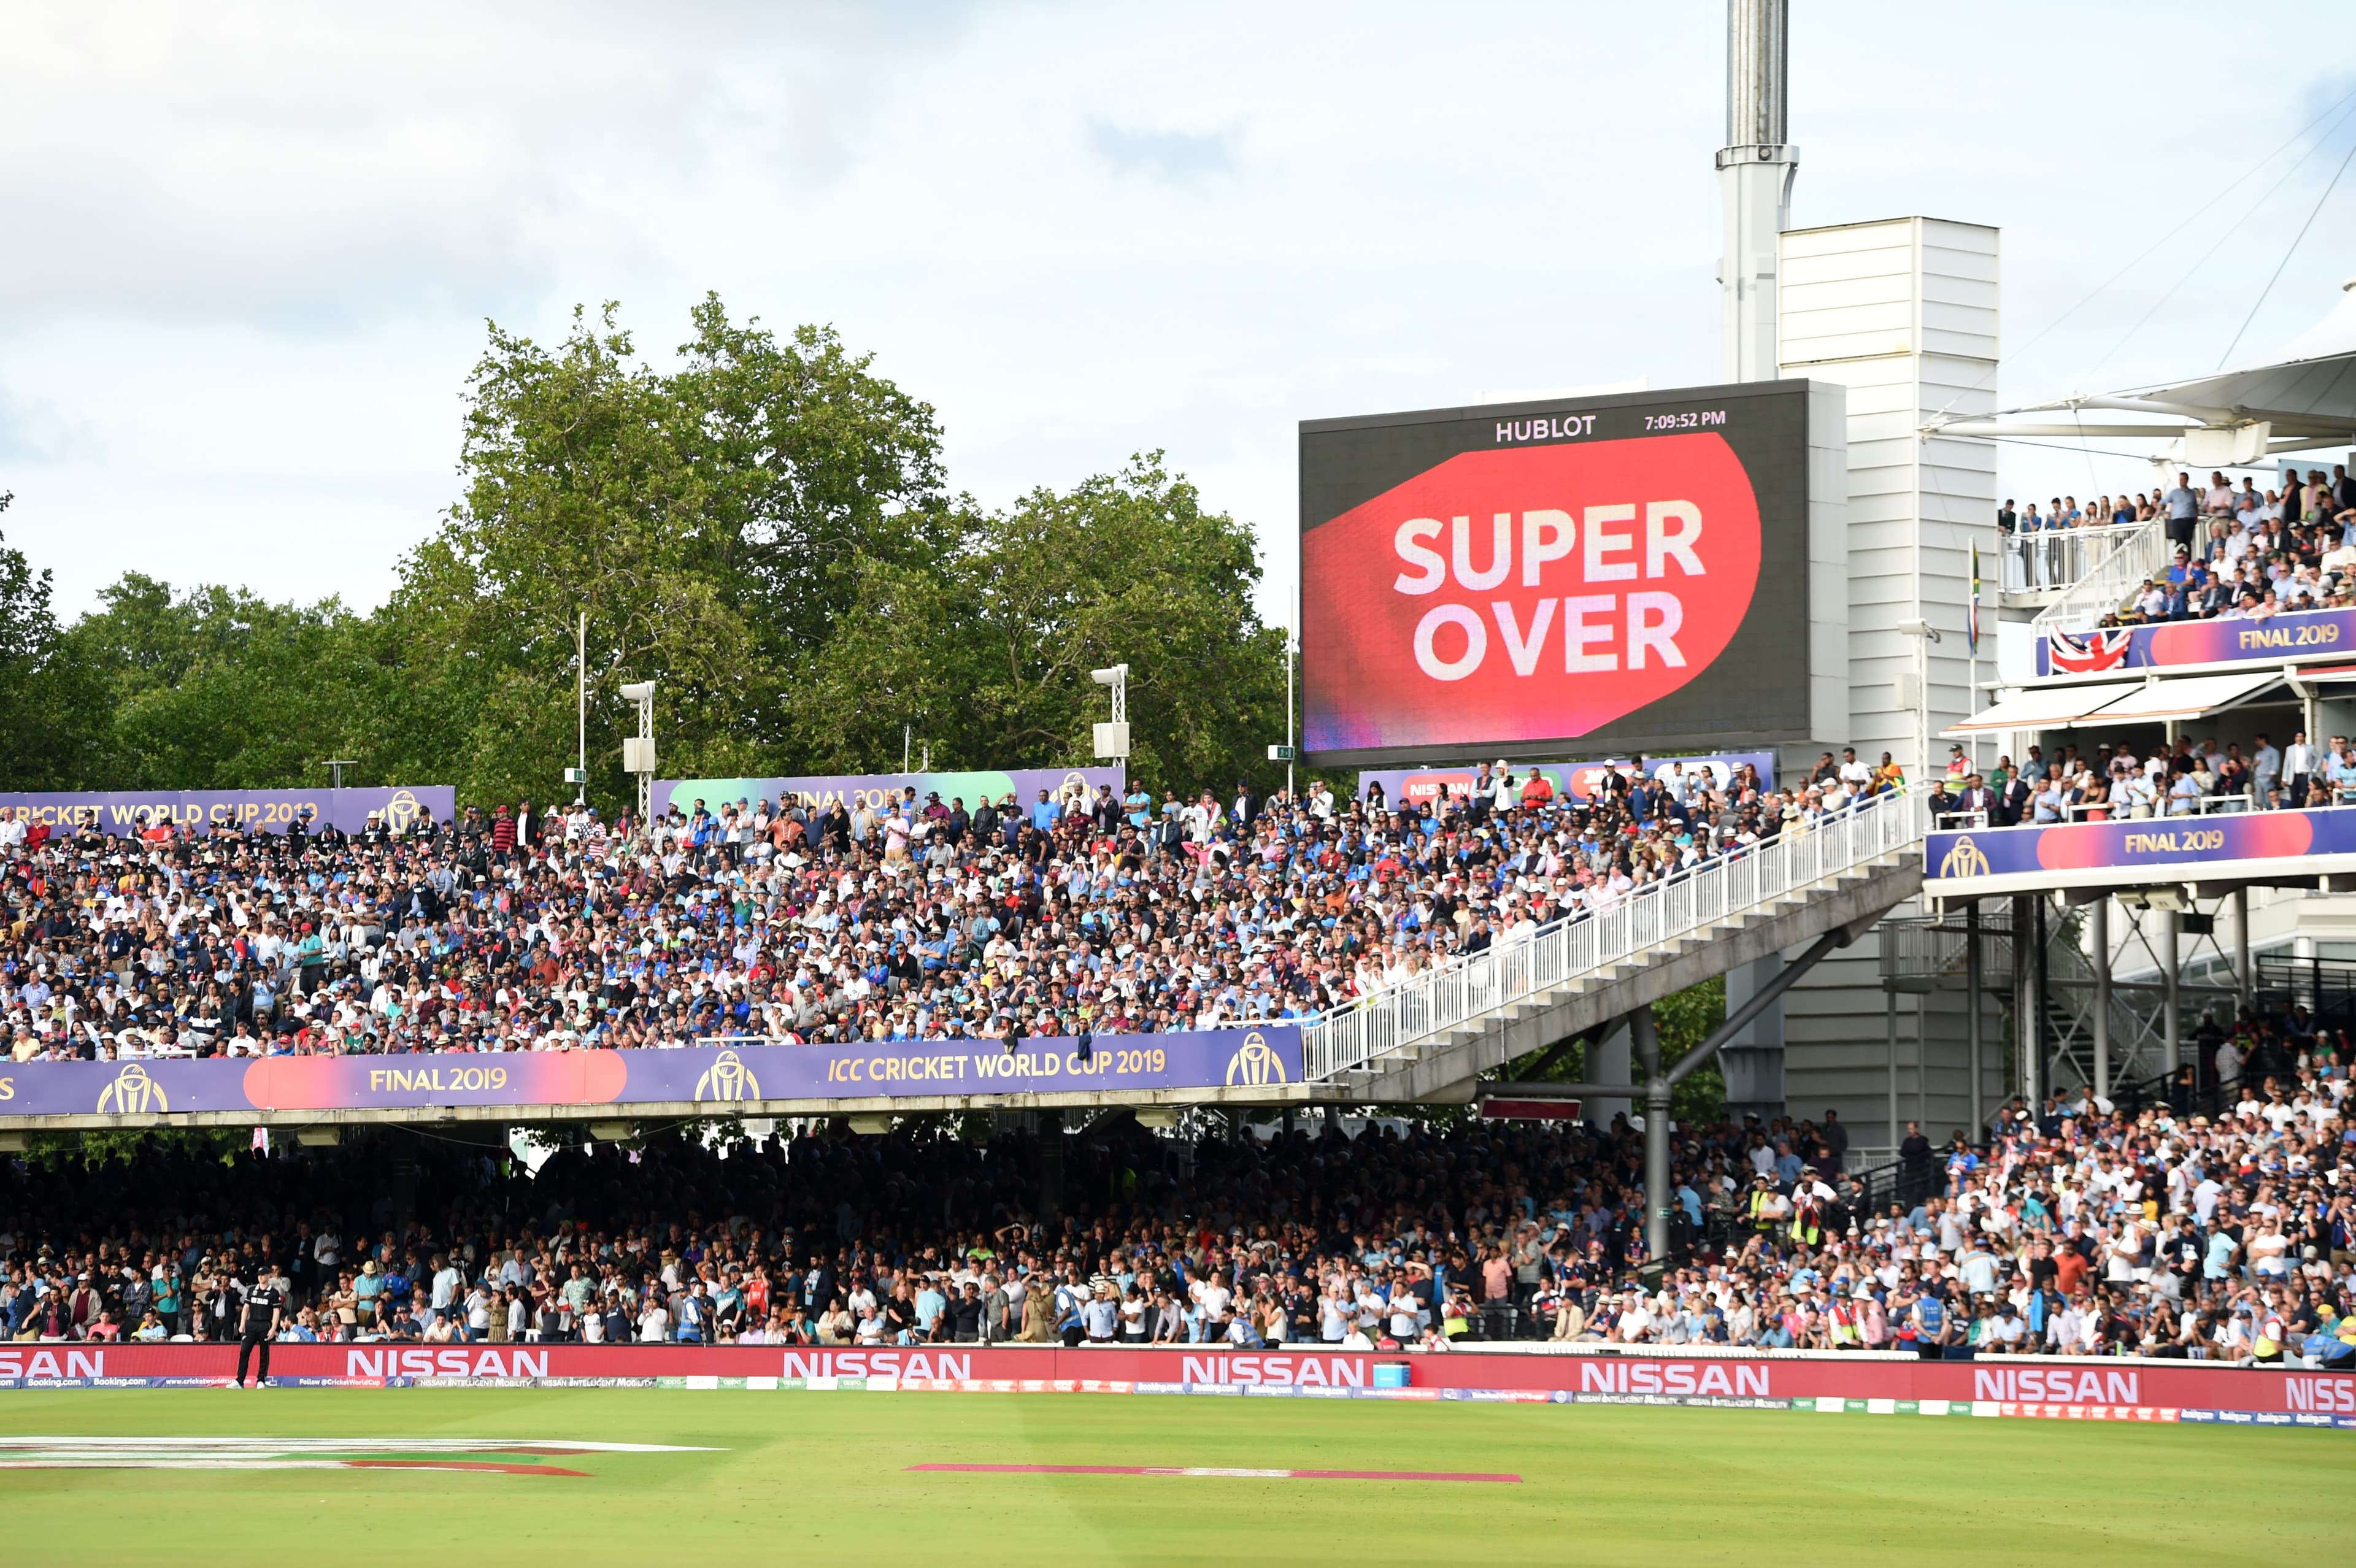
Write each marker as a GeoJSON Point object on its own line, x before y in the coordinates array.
{"type": "Point", "coordinates": [1924, 635]}
{"type": "Point", "coordinates": [638, 750]}
{"type": "Point", "coordinates": [1112, 739]}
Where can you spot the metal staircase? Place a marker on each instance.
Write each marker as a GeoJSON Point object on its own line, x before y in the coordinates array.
{"type": "Point", "coordinates": [1431, 1037]}
{"type": "Point", "coordinates": [1930, 955]}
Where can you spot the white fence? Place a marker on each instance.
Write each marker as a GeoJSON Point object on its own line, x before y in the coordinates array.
{"type": "Point", "coordinates": [2056, 557]}
{"type": "Point", "coordinates": [1470, 986]}
{"type": "Point", "coordinates": [2139, 552]}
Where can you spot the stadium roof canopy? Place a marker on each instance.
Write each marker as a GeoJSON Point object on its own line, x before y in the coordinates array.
{"type": "Point", "coordinates": [2302, 395]}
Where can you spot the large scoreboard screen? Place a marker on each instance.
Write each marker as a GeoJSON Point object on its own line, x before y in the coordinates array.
{"type": "Point", "coordinates": [1630, 572]}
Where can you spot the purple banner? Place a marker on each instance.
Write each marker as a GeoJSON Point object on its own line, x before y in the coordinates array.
{"type": "Point", "coordinates": [2165, 846]}
{"type": "Point", "coordinates": [855, 790]}
{"type": "Point", "coordinates": [2278, 639]}
{"type": "Point", "coordinates": [724, 1078]}
{"type": "Point", "coordinates": [1420, 785]}
{"type": "Point", "coordinates": [130, 812]}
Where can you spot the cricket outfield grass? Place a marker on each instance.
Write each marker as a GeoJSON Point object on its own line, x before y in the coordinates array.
{"type": "Point", "coordinates": [494, 1471]}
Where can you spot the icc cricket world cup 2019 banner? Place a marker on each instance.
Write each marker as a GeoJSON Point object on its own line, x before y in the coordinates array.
{"type": "Point", "coordinates": [2163, 845]}
{"type": "Point", "coordinates": [127, 812]}
{"type": "Point", "coordinates": [855, 790]}
{"type": "Point", "coordinates": [722, 1079]}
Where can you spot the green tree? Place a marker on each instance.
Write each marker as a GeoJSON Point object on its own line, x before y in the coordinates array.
{"type": "Point", "coordinates": [711, 522]}
{"type": "Point", "coordinates": [45, 707]}
{"type": "Point", "coordinates": [1684, 1020]}
{"type": "Point", "coordinates": [987, 649]}
{"type": "Point", "coordinates": [217, 688]}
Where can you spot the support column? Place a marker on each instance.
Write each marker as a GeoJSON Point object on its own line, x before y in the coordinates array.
{"type": "Point", "coordinates": [1921, 1064]}
{"type": "Point", "coordinates": [2171, 976]}
{"type": "Point", "coordinates": [1889, 1003]}
{"type": "Point", "coordinates": [405, 1187]}
{"type": "Point", "coordinates": [2026, 1034]}
{"type": "Point", "coordinates": [1608, 1062]}
{"type": "Point", "coordinates": [2245, 983]}
{"type": "Point", "coordinates": [2032, 1073]}
{"type": "Point", "coordinates": [1972, 1009]}
{"type": "Point", "coordinates": [1051, 1165]}
{"type": "Point", "coordinates": [2101, 914]}
{"type": "Point", "coordinates": [1646, 1038]}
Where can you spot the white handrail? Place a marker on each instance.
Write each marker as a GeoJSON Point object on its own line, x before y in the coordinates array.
{"type": "Point", "coordinates": [2143, 552]}
{"type": "Point", "coordinates": [2055, 558]}
{"type": "Point", "coordinates": [1470, 986]}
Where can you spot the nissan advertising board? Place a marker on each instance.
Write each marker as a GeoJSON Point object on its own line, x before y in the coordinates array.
{"type": "Point", "coordinates": [1630, 573]}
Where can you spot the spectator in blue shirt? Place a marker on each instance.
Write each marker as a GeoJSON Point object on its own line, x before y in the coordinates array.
{"type": "Point", "coordinates": [1044, 813]}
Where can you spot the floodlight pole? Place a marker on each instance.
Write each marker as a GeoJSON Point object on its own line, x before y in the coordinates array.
{"type": "Point", "coordinates": [580, 710]}
{"type": "Point", "coordinates": [1755, 170]}
{"type": "Point", "coordinates": [336, 766]}
{"type": "Point", "coordinates": [1924, 635]}
{"type": "Point", "coordinates": [638, 755]}
{"type": "Point", "coordinates": [1113, 738]}
{"type": "Point", "coordinates": [1291, 648]}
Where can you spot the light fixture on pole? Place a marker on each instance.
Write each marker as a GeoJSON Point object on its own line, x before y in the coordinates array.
{"type": "Point", "coordinates": [577, 775]}
{"type": "Point", "coordinates": [1289, 752]}
{"type": "Point", "coordinates": [638, 750]}
{"type": "Point", "coordinates": [1112, 739]}
{"type": "Point", "coordinates": [1919, 697]}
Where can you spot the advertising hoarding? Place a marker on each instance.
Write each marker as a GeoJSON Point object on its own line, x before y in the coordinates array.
{"type": "Point", "coordinates": [2144, 850]}
{"type": "Point", "coordinates": [123, 813]}
{"type": "Point", "coordinates": [1631, 571]}
{"type": "Point", "coordinates": [855, 790]}
{"type": "Point", "coordinates": [1420, 786]}
{"type": "Point", "coordinates": [2037, 1386]}
{"type": "Point", "coordinates": [722, 1078]}
{"type": "Point", "coordinates": [2177, 644]}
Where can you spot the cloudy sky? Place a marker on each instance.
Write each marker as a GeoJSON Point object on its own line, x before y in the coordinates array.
{"type": "Point", "coordinates": [249, 251]}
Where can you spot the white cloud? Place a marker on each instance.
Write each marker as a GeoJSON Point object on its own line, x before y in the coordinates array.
{"type": "Point", "coordinates": [251, 249]}
{"type": "Point", "coordinates": [1173, 157]}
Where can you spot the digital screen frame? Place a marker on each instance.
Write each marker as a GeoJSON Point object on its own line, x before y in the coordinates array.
{"type": "Point", "coordinates": [1619, 574]}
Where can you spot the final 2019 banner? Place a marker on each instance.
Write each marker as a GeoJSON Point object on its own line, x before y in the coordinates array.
{"type": "Point", "coordinates": [722, 1078]}
{"type": "Point", "coordinates": [2173, 645]}
{"type": "Point", "coordinates": [2163, 845]}
{"type": "Point", "coordinates": [126, 812]}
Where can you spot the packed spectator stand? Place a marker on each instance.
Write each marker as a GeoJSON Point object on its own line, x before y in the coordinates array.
{"type": "Point", "coordinates": [794, 921]}
{"type": "Point", "coordinates": [2226, 1232]}
{"type": "Point", "coordinates": [2243, 553]}
{"type": "Point", "coordinates": [2115, 779]}
{"type": "Point", "coordinates": [2187, 1225]}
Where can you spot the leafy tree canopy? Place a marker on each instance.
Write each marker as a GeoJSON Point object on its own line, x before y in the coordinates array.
{"type": "Point", "coordinates": [762, 526]}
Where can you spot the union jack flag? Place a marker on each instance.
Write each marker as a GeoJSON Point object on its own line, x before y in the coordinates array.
{"type": "Point", "coordinates": [2079, 653]}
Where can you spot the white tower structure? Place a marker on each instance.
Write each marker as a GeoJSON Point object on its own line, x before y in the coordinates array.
{"type": "Point", "coordinates": [1754, 180]}
{"type": "Point", "coordinates": [1902, 313]}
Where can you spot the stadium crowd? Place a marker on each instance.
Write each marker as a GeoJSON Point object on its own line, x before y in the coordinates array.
{"type": "Point", "coordinates": [2187, 777]}
{"type": "Point", "coordinates": [2082, 1229]}
{"type": "Point", "coordinates": [2244, 554]}
{"type": "Point", "coordinates": [888, 920]}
